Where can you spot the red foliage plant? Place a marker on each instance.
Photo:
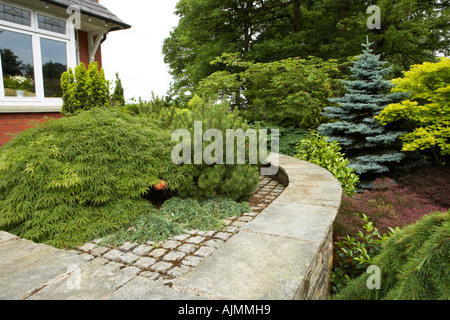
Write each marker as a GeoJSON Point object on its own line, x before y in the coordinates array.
{"type": "Point", "coordinates": [432, 183]}
{"type": "Point", "coordinates": [387, 204]}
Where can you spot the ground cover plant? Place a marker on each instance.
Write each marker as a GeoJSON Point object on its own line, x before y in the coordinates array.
{"type": "Point", "coordinates": [178, 215]}
{"type": "Point", "coordinates": [389, 204]}
{"type": "Point", "coordinates": [68, 180]}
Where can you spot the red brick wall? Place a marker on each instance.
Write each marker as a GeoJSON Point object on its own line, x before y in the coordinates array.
{"type": "Point", "coordinates": [17, 122]}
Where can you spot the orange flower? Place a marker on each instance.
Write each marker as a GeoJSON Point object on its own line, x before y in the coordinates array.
{"type": "Point", "coordinates": [161, 185]}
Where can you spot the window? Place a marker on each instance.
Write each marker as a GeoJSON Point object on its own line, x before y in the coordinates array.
{"type": "Point", "coordinates": [34, 52]}
{"type": "Point", "coordinates": [54, 63]}
{"type": "Point", "coordinates": [17, 64]}
{"type": "Point", "coordinates": [51, 24]}
{"type": "Point", "coordinates": [12, 14]}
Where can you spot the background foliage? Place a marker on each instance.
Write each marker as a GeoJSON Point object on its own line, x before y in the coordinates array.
{"type": "Point", "coordinates": [289, 92]}
{"type": "Point", "coordinates": [412, 32]}
{"type": "Point", "coordinates": [425, 115]}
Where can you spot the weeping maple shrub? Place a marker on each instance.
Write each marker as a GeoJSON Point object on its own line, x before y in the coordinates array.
{"type": "Point", "coordinates": [387, 203]}
{"type": "Point", "coordinates": [69, 180]}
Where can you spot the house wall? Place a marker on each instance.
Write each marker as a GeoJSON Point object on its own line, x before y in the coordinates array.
{"type": "Point", "coordinates": [11, 123]}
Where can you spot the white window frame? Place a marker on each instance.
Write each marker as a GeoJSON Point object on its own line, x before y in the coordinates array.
{"type": "Point", "coordinates": [39, 103]}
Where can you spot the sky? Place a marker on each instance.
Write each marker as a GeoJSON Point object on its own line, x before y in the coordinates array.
{"type": "Point", "coordinates": [136, 53]}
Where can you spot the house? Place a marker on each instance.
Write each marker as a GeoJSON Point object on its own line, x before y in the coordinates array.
{"type": "Point", "coordinates": [39, 40]}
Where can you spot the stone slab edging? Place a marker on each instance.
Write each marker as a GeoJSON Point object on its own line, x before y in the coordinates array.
{"type": "Point", "coordinates": [286, 252]}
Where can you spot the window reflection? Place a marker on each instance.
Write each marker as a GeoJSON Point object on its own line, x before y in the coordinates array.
{"type": "Point", "coordinates": [17, 64]}
{"type": "Point", "coordinates": [54, 63]}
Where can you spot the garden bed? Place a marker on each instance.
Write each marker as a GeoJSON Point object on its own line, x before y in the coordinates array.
{"type": "Point", "coordinates": [166, 260]}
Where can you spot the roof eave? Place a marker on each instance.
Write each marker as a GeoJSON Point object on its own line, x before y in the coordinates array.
{"type": "Point", "coordinates": [121, 24]}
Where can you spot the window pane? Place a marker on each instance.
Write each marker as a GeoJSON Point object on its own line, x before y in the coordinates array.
{"type": "Point", "coordinates": [11, 14]}
{"type": "Point", "coordinates": [51, 24]}
{"type": "Point", "coordinates": [17, 64]}
{"type": "Point", "coordinates": [54, 63]}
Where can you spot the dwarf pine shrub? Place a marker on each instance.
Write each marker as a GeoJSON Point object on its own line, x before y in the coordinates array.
{"type": "Point", "coordinates": [236, 181]}
{"type": "Point", "coordinates": [413, 263]}
{"type": "Point", "coordinates": [204, 180]}
{"type": "Point", "coordinates": [69, 180]}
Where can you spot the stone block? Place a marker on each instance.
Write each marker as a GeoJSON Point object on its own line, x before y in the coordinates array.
{"type": "Point", "coordinates": [158, 253]}
{"type": "Point", "coordinates": [294, 220]}
{"type": "Point", "coordinates": [171, 244]}
{"type": "Point", "coordinates": [145, 262]}
{"type": "Point", "coordinates": [174, 256]}
{"type": "Point", "coordinates": [187, 248]}
{"type": "Point", "coordinates": [142, 250]}
{"type": "Point", "coordinates": [252, 266]}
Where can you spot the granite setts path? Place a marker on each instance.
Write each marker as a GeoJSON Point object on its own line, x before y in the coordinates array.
{"type": "Point", "coordinates": [282, 250]}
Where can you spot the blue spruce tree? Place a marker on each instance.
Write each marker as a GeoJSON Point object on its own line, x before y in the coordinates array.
{"type": "Point", "coordinates": [370, 147]}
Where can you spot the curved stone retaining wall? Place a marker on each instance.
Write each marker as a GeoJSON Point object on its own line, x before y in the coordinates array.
{"type": "Point", "coordinates": [286, 252]}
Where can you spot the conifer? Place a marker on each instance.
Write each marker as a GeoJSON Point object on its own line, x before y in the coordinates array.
{"type": "Point", "coordinates": [370, 147]}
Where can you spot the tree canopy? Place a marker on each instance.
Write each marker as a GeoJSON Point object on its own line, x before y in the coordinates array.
{"type": "Point", "coordinates": [412, 31]}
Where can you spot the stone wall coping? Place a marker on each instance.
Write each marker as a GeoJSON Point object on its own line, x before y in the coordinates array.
{"type": "Point", "coordinates": [273, 256]}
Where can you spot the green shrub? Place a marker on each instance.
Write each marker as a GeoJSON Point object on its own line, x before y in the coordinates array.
{"type": "Point", "coordinates": [413, 263]}
{"type": "Point", "coordinates": [118, 96]}
{"type": "Point", "coordinates": [84, 89]}
{"type": "Point", "coordinates": [354, 255]}
{"type": "Point", "coordinates": [426, 114]}
{"type": "Point", "coordinates": [288, 92]}
{"type": "Point", "coordinates": [319, 151]}
{"type": "Point", "coordinates": [236, 181]}
{"type": "Point", "coordinates": [178, 215]}
{"type": "Point", "coordinates": [68, 180]}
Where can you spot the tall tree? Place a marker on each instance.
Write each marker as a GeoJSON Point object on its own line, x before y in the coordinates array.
{"type": "Point", "coordinates": [412, 31]}
{"type": "Point", "coordinates": [369, 146]}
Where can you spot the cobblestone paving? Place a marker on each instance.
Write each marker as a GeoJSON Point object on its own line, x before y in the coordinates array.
{"type": "Point", "coordinates": [167, 260]}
